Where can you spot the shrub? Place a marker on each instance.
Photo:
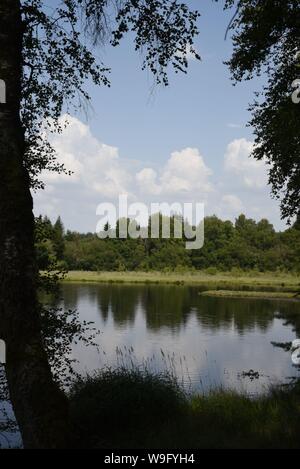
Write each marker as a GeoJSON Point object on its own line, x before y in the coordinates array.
{"type": "Point", "coordinates": [117, 408]}
{"type": "Point", "coordinates": [211, 271]}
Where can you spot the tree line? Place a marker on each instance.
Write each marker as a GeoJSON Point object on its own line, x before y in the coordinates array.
{"type": "Point", "coordinates": [243, 245]}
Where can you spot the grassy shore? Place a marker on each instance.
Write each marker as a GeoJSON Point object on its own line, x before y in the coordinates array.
{"type": "Point", "coordinates": [252, 294]}
{"type": "Point", "coordinates": [134, 409]}
{"type": "Point", "coordinates": [252, 281]}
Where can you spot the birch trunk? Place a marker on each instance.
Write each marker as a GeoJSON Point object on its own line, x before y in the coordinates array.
{"type": "Point", "coordinates": [40, 407]}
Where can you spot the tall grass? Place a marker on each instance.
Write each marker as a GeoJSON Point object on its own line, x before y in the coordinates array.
{"type": "Point", "coordinates": [247, 281]}
{"type": "Point", "coordinates": [136, 409]}
{"type": "Point", "coordinates": [124, 408]}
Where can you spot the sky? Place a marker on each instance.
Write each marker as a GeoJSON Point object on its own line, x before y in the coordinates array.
{"type": "Point", "coordinates": [185, 143]}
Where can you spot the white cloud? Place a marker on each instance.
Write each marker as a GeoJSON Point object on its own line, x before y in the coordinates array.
{"type": "Point", "coordinates": [101, 175]}
{"type": "Point", "coordinates": [251, 173]}
{"type": "Point", "coordinates": [186, 171]}
{"type": "Point", "coordinates": [184, 174]}
{"type": "Point", "coordinates": [94, 165]}
{"type": "Point", "coordinates": [147, 181]}
{"type": "Point", "coordinates": [232, 203]}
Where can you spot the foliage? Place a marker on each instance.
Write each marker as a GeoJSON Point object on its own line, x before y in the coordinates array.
{"type": "Point", "coordinates": [59, 57]}
{"type": "Point", "coordinates": [126, 403]}
{"type": "Point", "coordinates": [266, 38]}
{"type": "Point", "coordinates": [134, 409]}
{"type": "Point", "coordinates": [242, 246]}
{"type": "Point", "coordinates": [60, 328]}
{"type": "Point", "coordinates": [49, 247]}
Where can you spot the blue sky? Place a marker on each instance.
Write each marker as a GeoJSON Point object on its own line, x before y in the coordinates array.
{"type": "Point", "coordinates": [145, 139]}
{"type": "Point", "coordinates": [194, 111]}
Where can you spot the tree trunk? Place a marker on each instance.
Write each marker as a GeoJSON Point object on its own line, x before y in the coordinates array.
{"type": "Point", "coordinates": [40, 407]}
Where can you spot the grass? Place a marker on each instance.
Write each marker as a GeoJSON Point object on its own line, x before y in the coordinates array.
{"type": "Point", "coordinates": [124, 409]}
{"type": "Point", "coordinates": [127, 404]}
{"type": "Point", "coordinates": [251, 294]}
{"type": "Point", "coordinates": [251, 281]}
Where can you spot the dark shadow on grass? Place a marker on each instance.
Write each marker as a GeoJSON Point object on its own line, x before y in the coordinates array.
{"type": "Point", "coordinates": [136, 409]}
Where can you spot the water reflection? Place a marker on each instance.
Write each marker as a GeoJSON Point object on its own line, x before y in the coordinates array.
{"type": "Point", "coordinates": [170, 307]}
{"type": "Point", "coordinates": [220, 338]}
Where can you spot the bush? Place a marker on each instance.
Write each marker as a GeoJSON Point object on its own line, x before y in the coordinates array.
{"type": "Point", "coordinates": [117, 408]}
{"type": "Point", "coordinates": [236, 272]}
{"type": "Point", "coordinates": [135, 409]}
{"type": "Point", "coordinates": [211, 271]}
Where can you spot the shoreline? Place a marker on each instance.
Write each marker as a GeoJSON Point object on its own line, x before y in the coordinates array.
{"type": "Point", "coordinates": [272, 283]}
{"type": "Point", "coordinates": [262, 295]}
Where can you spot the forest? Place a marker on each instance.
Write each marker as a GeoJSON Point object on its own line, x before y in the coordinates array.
{"type": "Point", "coordinates": [240, 246]}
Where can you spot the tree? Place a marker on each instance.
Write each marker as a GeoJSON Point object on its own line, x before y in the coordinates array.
{"type": "Point", "coordinates": [39, 405]}
{"type": "Point", "coordinates": [266, 37]}
{"type": "Point", "coordinates": [58, 238]}
{"type": "Point", "coordinates": [44, 62]}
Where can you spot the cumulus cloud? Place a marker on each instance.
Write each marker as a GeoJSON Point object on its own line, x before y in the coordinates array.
{"type": "Point", "coordinates": [251, 173]}
{"type": "Point", "coordinates": [185, 173]}
{"type": "Point", "coordinates": [94, 165]}
{"type": "Point", "coordinates": [147, 181]}
{"type": "Point", "coordinates": [232, 203]}
{"type": "Point", "coordinates": [99, 174]}
{"type": "Point", "coordinates": [228, 206]}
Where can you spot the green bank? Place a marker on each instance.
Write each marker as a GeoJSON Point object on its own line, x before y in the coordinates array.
{"type": "Point", "coordinates": [215, 281]}
{"type": "Point", "coordinates": [252, 294]}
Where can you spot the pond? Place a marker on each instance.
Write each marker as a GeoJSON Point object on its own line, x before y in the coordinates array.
{"type": "Point", "coordinates": [208, 342]}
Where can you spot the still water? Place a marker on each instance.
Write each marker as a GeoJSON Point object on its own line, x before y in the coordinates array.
{"type": "Point", "coordinates": [207, 342]}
